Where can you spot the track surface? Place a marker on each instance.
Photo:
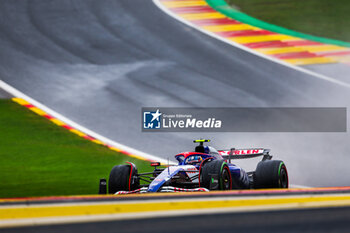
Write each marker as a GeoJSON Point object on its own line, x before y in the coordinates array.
{"type": "Point", "coordinates": [312, 220]}
{"type": "Point", "coordinates": [99, 62]}
{"type": "Point", "coordinates": [307, 218]}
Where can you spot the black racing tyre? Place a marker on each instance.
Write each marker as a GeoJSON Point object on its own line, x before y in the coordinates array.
{"type": "Point", "coordinates": [120, 179]}
{"type": "Point", "coordinates": [271, 174]}
{"type": "Point", "coordinates": [215, 175]}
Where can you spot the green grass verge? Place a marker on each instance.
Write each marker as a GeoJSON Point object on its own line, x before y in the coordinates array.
{"type": "Point", "coordinates": [324, 18]}
{"type": "Point", "coordinates": [38, 158]}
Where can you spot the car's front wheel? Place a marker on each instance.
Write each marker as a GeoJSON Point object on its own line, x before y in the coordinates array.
{"type": "Point", "coordinates": [123, 178]}
{"type": "Point", "coordinates": [215, 175]}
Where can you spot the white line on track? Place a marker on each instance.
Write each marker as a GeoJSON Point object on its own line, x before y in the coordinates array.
{"type": "Point", "coordinates": [309, 72]}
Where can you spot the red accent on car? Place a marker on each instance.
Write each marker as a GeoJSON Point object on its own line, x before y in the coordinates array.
{"type": "Point", "coordinates": [131, 167]}
{"type": "Point", "coordinates": [155, 164]}
{"type": "Point", "coordinates": [200, 167]}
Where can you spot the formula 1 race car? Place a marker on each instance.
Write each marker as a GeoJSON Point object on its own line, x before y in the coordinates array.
{"type": "Point", "coordinates": [202, 170]}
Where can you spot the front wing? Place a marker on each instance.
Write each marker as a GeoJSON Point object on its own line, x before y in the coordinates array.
{"type": "Point", "coordinates": [165, 189]}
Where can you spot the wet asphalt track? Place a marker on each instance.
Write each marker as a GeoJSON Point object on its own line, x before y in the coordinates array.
{"type": "Point", "coordinates": [314, 219]}
{"type": "Point", "coordinates": [99, 62]}
{"type": "Point", "coordinates": [327, 220]}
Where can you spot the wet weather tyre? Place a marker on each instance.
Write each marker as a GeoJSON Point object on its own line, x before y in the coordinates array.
{"type": "Point", "coordinates": [271, 174]}
{"type": "Point", "coordinates": [120, 179]}
{"type": "Point", "coordinates": [215, 175]}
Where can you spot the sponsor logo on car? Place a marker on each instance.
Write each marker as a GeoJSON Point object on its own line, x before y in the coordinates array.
{"type": "Point", "coordinates": [242, 152]}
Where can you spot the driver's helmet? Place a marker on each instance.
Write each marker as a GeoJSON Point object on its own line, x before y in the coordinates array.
{"type": "Point", "coordinates": [195, 159]}
{"type": "Point", "coordinates": [206, 150]}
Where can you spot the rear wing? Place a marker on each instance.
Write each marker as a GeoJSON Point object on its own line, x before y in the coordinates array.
{"type": "Point", "coordinates": [245, 153]}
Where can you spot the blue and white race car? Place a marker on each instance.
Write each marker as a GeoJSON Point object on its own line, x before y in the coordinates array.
{"type": "Point", "coordinates": [202, 170]}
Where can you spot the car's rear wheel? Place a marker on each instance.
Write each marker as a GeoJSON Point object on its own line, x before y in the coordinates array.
{"type": "Point", "coordinates": [122, 178]}
{"type": "Point", "coordinates": [271, 174]}
{"type": "Point", "coordinates": [215, 175]}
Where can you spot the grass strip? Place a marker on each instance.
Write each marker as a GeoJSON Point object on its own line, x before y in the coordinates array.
{"type": "Point", "coordinates": [323, 21]}
{"type": "Point", "coordinates": [38, 158]}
